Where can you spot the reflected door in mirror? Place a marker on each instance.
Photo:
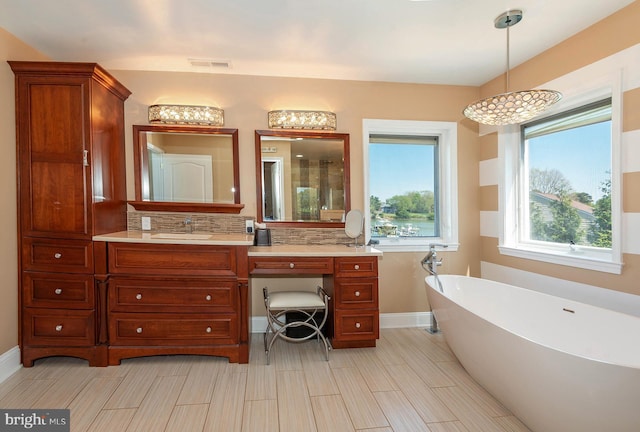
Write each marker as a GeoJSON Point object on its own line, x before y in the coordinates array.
{"type": "Point", "coordinates": [186, 168]}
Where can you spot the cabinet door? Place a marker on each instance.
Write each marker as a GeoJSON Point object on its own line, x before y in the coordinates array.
{"type": "Point", "coordinates": [54, 181]}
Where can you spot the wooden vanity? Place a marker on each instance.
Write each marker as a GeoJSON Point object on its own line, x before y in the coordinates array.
{"type": "Point", "coordinates": [173, 296]}
{"type": "Point", "coordinates": [349, 275]}
{"type": "Point", "coordinates": [155, 296]}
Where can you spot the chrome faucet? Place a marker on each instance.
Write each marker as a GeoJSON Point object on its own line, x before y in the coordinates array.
{"type": "Point", "coordinates": [430, 263]}
{"type": "Point", "coordinates": [431, 259]}
{"type": "Point", "coordinates": [188, 223]}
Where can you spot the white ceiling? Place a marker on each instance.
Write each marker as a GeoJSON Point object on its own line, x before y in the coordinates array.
{"type": "Point", "coordinates": [429, 41]}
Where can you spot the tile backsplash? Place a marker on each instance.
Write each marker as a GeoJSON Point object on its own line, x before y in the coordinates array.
{"type": "Point", "coordinates": [170, 222]}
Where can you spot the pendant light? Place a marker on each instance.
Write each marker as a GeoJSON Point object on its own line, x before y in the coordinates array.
{"type": "Point", "coordinates": [511, 107]}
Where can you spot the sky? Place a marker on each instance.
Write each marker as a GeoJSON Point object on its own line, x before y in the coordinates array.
{"type": "Point", "coordinates": [576, 153]}
{"type": "Point", "coordinates": [399, 168]}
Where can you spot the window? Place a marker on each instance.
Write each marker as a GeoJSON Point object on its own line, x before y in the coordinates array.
{"type": "Point", "coordinates": [411, 183]}
{"type": "Point", "coordinates": [563, 201]}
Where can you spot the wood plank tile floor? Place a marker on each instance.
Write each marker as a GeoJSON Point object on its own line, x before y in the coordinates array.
{"type": "Point", "coordinates": [409, 382]}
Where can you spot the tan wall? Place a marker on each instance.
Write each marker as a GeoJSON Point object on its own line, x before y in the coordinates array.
{"type": "Point", "coordinates": [10, 49]}
{"type": "Point", "coordinates": [611, 35]}
{"type": "Point", "coordinates": [246, 101]}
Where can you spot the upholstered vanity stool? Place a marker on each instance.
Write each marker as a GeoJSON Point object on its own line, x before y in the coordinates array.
{"type": "Point", "coordinates": [306, 303]}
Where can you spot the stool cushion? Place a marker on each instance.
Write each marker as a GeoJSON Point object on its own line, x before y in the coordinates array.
{"type": "Point", "coordinates": [295, 300]}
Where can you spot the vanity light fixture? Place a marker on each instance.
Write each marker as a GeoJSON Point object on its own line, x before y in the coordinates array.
{"type": "Point", "coordinates": [186, 115]}
{"type": "Point", "coordinates": [295, 119]}
{"type": "Point", "coordinates": [511, 107]}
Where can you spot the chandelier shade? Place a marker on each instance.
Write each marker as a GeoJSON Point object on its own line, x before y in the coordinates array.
{"type": "Point", "coordinates": [186, 115]}
{"type": "Point", "coordinates": [296, 119]}
{"type": "Point", "coordinates": [511, 107]}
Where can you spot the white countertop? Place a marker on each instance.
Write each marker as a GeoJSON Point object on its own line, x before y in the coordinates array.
{"type": "Point", "coordinates": [202, 238]}
{"type": "Point", "coordinates": [313, 250]}
{"type": "Point", "coordinates": [196, 238]}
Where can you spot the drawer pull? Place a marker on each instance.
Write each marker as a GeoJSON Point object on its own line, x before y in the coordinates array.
{"type": "Point", "coordinates": [58, 291]}
{"type": "Point", "coordinates": [291, 265]}
{"type": "Point", "coordinates": [139, 330]}
{"type": "Point", "coordinates": [357, 325]}
{"type": "Point", "coordinates": [208, 297]}
{"type": "Point", "coordinates": [138, 296]}
{"type": "Point", "coordinates": [357, 293]}
{"type": "Point", "coordinates": [57, 255]}
{"type": "Point", "coordinates": [59, 328]}
{"type": "Point", "coordinates": [357, 267]}
{"type": "Point", "coordinates": [208, 329]}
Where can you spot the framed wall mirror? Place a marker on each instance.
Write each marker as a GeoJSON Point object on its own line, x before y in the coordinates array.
{"type": "Point", "coordinates": [186, 168]}
{"type": "Point", "coordinates": [302, 178]}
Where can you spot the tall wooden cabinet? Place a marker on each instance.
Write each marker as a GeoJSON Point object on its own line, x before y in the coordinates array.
{"type": "Point", "coordinates": [71, 186]}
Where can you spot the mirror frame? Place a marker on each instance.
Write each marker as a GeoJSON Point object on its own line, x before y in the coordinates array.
{"type": "Point", "coordinates": [288, 133]}
{"type": "Point", "coordinates": [140, 164]}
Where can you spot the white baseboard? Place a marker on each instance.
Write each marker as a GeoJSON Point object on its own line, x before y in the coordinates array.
{"type": "Point", "coordinates": [9, 363]}
{"type": "Point", "coordinates": [389, 320]}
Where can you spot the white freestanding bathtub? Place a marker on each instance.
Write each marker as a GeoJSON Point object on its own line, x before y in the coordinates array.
{"type": "Point", "coordinates": [557, 364]}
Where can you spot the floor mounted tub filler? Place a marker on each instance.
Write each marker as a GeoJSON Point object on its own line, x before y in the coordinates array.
{"type": "Point", "coordinates": [559, 365]}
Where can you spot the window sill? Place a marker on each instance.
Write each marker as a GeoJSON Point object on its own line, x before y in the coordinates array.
{"type": "Point", "coordinates": [578, 258]}
{"type": "Point", "coordinates": [404, 246]}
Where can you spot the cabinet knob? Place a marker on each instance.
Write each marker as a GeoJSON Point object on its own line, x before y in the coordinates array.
{"type": "Point", "coordinates": [208, 329]}
{"type": "Point", "coordinates": [291, 265]}
{"type": "Point", "coordinates": [357, 325]}
{"type": "Point", "coordinates": [58, 291]}
{"type": "Point", "coordinates": [59, 328]}
{"type": "Point", "coordinates": [208, 297]}
{"type": "Point", "coordinates": [139, 330]}
{"type": "Point", "coordinates": [357, 293]}
{"type": "Point", "coordinates": [357, 267]}
{"type": "Point", "coordinates": [57, 255]}
{"type": "Point", "coordinates": [138, 296]}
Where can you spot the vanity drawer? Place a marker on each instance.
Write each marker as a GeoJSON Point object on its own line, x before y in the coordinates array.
{"type": "Point", "coordinates": [171, 259]}
{"type": "Point", "coordinates": [58, 327]}
{"type": "Point", "coordinates": [290, 265]}
{"type": "Point", "coordinates": [72, 256]}
{"type": "Point", "coordinates": [172, 329]}
{"type": "Point", "coordinates": [356, 266]}
{"type": "Point", "coordinates": [184, 295]}
{"type": "Point", "coordinates": [58, 290]}
{"type": "Point", "coordinates": [356, 293]}
{"type": "Point", "coordinates": [356, 325]}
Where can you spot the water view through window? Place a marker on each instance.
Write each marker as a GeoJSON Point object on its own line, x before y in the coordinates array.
{"type": "Point", "coordinates": [403, 186]}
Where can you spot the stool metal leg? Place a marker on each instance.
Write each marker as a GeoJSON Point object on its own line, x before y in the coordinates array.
{"type": "Point", "coordinates": [277, 325]}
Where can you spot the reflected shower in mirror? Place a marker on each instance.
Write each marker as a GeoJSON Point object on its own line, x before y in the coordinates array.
{"type": "Point", "coordinates": [186, 166]}
{"type": "Point", "coordinates": [302, 178]}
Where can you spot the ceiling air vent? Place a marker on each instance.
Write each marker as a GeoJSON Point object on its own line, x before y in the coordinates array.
{"type": "Point", "coordinates": [209, 63]}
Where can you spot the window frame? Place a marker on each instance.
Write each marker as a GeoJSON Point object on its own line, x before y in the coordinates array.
{"type": "Point", "coordinates": [511, 187]}
{"type": "Point", "coordinates": [447, 134]}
